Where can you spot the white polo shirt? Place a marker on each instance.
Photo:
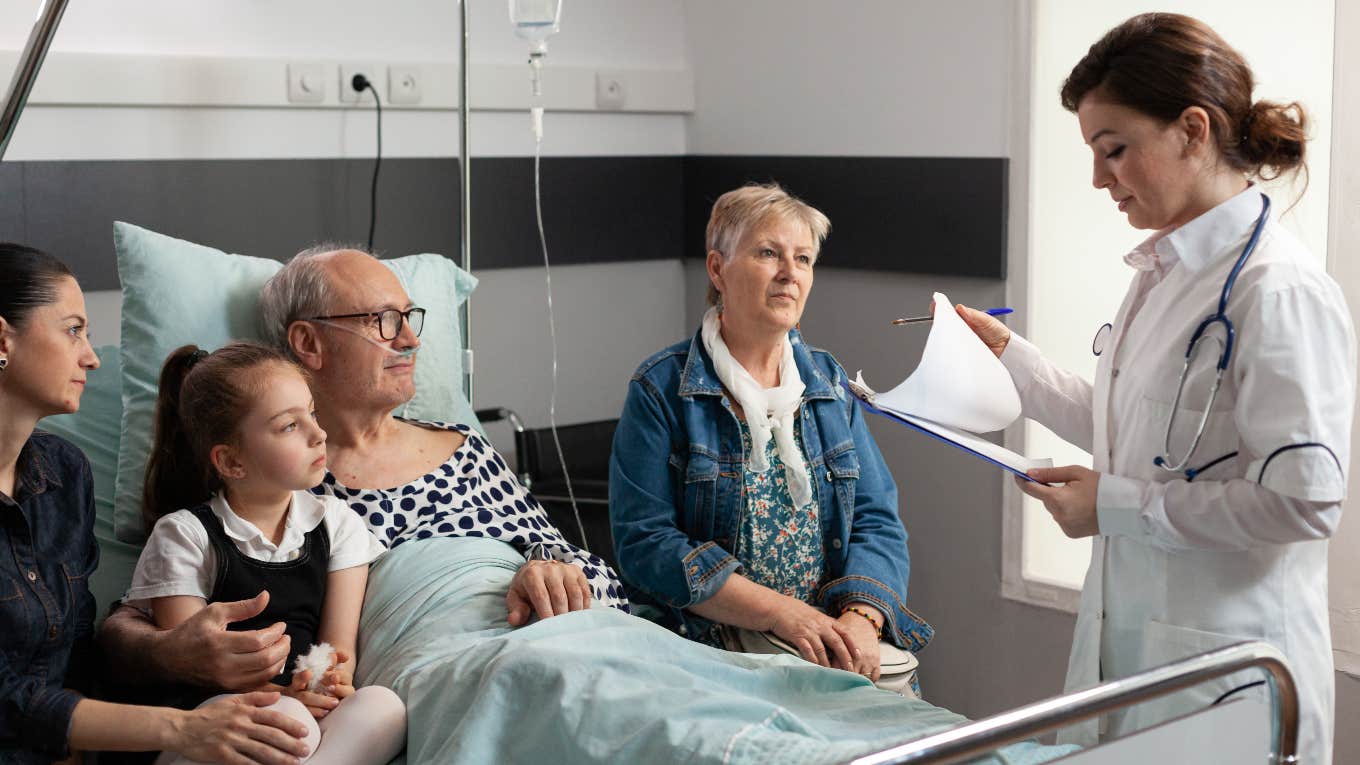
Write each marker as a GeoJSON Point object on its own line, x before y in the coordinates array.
{"type": "Point", "coordinates": [179, 559]}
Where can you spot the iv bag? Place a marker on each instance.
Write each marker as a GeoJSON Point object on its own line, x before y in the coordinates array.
{"type": "Point", "coordinates": [535, 20]}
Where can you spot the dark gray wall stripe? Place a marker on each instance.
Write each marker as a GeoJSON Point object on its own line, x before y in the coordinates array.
{"type": "Point", "coordinates": [924, 215]}
{"type": "Point", "coordinates": [935, 216]}
{"type": "Point", "coordinates": [596, 209]}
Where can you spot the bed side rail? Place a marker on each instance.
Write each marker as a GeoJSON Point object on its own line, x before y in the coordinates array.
{"type": "Point", "coordinates": [978, 738]}
{"type": "Point", "coordinates": [30, 61]}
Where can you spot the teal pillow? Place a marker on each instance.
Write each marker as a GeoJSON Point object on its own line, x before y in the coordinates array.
{"type": "Point", "coordinates": [176, 292]}
{"type": "Point", "coordinates": [94, 430]}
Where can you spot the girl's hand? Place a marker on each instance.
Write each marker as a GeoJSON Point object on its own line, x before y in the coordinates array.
{"type": "Point", "coordinates": [338, 682]}
{"type": "Point", "coordinates": [319, 704]}
{"type": "Point", "coordinates": [991, 332]}
{"type": "Point", "coordinates": [239, 730]}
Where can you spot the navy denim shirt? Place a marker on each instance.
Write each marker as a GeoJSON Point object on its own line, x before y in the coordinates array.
{"type": "Point", "coordinates": [676, 482]}
{"type": "Point", "coordinates": [47, 553]}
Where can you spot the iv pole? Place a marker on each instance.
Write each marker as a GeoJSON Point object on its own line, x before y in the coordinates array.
{"type": "Point", "coordinates": [30, 61]}
{"type": "Point", "coordinates": [465, 196]}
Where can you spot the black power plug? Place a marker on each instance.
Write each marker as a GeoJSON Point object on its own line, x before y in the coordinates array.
{"type": "Point", "coordinates": [361, 83]}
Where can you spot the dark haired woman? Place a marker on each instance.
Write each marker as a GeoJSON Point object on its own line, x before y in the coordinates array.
{"type": "Point", "coordinates": [1211, 502]}
{"type": "Point", "coordinates": [48, 551]}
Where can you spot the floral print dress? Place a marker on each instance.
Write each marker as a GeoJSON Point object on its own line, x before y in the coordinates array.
{"type": "Point", "coordinates": [779, 545]}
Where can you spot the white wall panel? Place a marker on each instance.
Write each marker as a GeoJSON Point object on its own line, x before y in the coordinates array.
{"type": "Point", "coordinates": [862, 78]}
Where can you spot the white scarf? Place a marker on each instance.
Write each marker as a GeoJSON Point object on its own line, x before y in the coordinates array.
{"type": "Point", "coordinates": [769, 411]}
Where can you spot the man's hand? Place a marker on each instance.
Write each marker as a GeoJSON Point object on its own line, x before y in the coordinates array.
{"type": "Point", "coordinates": [546, 588]}
{"type": "Point", "coordinates": [203, 651]}
{"type": "Point", "coordinates": [1072, 505]}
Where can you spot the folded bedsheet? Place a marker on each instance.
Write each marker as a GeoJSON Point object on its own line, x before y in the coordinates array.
{"type": "Point", "coordinates": [600, 686]}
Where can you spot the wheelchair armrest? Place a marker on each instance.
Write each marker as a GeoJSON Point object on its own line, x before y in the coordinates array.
{"type": "Point", "coordinates": [498, 413]}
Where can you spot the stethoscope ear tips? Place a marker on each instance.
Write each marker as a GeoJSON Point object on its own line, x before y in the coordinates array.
{"type": "Point", "coordinates": [1159, 462]}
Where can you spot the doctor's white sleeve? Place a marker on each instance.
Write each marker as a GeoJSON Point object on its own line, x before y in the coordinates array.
{"type": "Point", "coordinates": [1052, 396]}
{"type": "Point", "coordinates": [1295, 377]}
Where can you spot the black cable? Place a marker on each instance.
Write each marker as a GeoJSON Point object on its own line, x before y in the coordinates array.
{"type": "Point", "coordinates": [361, 83]}
{"type": "Point", "coordinates": [1220, 699]}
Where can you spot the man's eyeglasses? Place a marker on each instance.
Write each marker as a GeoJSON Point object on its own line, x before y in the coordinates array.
{"type": "Point", "coordinates": [389, 321]}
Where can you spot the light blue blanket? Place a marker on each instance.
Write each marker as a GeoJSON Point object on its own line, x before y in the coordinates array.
{"type": "Point", "coordinates": [600, 686]}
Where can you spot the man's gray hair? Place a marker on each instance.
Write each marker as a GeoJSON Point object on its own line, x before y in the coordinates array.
{"type": "Point", "coordinates": [300, 289]}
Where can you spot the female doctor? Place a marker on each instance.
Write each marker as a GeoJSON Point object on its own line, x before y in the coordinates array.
{"type": "Point", "coordinates": [1200, 540]}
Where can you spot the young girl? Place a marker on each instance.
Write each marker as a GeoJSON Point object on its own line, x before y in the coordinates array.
{"type": "Point", "coordinates": [237, 445]}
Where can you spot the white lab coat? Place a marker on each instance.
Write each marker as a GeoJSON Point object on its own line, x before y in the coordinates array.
{"type": "Point", "coordinates": [1182, 567]}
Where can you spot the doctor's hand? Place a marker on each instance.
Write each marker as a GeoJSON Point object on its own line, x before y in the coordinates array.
{"type": "Point", "coordinates": [1072, 505]}
{"type": "Point", "coordinates": [991, 332]}
{"type": "Point", "coordinates": [546, 588]}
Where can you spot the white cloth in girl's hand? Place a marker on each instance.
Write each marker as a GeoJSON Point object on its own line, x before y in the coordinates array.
{"type": "Point", "coordinates": [318, 660]}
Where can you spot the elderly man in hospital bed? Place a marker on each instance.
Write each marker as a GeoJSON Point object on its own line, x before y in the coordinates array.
{"type": "Point", "coordinates": [472, 560]}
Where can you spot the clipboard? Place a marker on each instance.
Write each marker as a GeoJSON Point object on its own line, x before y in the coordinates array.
{"type": "Point", "coordinates": [999, 455]}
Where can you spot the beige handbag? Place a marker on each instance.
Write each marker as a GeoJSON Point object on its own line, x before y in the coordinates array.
{"type": "Point", "coordinates": [897, 668]}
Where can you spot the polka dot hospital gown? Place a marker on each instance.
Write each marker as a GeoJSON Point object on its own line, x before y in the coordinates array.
{"type": "Point", "coordinates": [473, 494]}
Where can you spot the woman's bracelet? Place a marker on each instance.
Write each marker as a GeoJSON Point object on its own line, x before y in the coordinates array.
{"type": "Point", "coordinates": [878, 630]}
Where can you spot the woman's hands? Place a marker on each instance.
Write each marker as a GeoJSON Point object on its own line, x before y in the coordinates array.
{"type": "Point", "coordinates": [818, 638]}
{"type": "Point", "coordinates": [238, 730]}
{"type": "Point", "coordinates": [989, 330]}
{"type": "Point", "coordinates": [864, 635]}
{"type": "Point", "coordinates": [546, 588]}
{"type": "Point", "coordinates": [1072, 505]}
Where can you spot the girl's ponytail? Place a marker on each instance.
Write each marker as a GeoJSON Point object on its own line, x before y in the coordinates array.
{"type": "Point", "coordinates": [174, 476]}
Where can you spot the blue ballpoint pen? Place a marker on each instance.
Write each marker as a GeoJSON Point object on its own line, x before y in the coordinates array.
{"type": "Point", "coordinates": [919, 319]}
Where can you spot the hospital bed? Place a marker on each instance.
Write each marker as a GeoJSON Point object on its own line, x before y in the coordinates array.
{"type": "Point", "coordinates": [433, 627]}
{"type": "Point", "coordinates": [1241, 730]}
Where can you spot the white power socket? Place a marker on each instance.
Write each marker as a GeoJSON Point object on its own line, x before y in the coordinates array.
{"type": "Point", "coordinates": [404, 84]}
{"type": "Point", "coordinates": [609, 90]}
{"type": "Point", "coordinates": [348, 95]}
{"type": "Point", "coordinates": [306, 83]}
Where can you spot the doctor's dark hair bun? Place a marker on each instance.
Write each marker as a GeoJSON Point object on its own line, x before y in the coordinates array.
{"type": "Point", "coordinates": [1162, 63]}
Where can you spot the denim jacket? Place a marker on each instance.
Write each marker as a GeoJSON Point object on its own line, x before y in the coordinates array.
{"type": "Point", "coordinates": [675, 492]}
{"type": "Point", "coordinates": [47, 553]}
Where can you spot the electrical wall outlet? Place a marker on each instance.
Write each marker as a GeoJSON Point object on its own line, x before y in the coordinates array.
{"type": "Point", "coordinates": [348, 95]}
{"type": "Point", "coordinates": [609, 91]}
{"type": "Point", "coordinates": [306, 83]}
{"type": "Point", "coordinates": [404, 85]}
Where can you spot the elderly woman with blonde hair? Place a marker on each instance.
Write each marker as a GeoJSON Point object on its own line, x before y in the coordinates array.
{"type": "Point", "coordinates": [746, 493]}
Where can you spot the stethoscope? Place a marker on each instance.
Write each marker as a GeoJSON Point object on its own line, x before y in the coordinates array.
{"type": "Point", "coordinates": [1225, 345]}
